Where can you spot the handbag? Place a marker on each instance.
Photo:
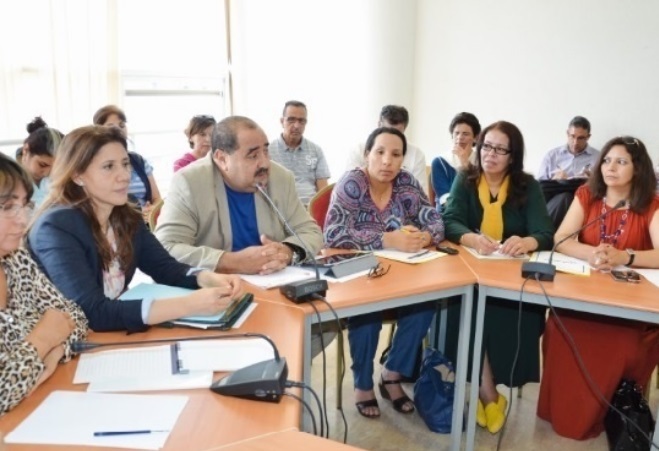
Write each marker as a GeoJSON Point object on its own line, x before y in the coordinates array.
{"type": "Point", "coordinates": [620, 433]}
{"type": "Point", "coordinates": [434, 391]}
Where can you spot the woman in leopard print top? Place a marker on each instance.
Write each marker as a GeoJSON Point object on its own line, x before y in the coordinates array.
{"type": "Point", "coordinates": [37, 324]}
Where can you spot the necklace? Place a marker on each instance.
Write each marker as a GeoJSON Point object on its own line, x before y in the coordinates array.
{"type": "Point", "coordinates": [612, 238]}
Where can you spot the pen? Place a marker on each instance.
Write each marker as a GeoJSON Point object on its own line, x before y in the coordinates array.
{"type": "Point", "coordinates": [488, 238]}
{"type": "Point", "coordinates": [111, 433]}
{"type": "Point", "coordinates": [418, 254]}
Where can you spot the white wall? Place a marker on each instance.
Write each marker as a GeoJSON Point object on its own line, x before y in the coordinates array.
{"type": "Point", "coordinates": [537, 64]}
{"type": "Point", "coordinates": [344, 58]}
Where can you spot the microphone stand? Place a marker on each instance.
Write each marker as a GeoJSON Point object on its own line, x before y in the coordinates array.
{"type": "Point", "coordinates": [261, 381]}
{"type": "Point", "coordinates": [303, 290]}
{"type": "Point", "coordinates": [547, 271]}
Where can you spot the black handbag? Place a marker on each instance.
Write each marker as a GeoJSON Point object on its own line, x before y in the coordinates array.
{"type": "Point", "coordinates": [620, 432]}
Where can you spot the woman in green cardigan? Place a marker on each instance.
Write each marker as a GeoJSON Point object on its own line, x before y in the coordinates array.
{"type": "Point", "coordinates": [494, 206]}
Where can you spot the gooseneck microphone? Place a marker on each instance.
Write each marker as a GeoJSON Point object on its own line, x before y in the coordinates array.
{"type": "Point", "coordinates": [547, 271]}
{"type": "Point", "coordinates": [262, 381]}
{"type": "Point", "coordinates": [303, 290]}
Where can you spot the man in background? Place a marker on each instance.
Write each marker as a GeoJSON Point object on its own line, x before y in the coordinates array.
{"type": "Point", "coordinates": [572, 161]}
{"type": "Point", "coordinates": [299, 155]}
{"type": "Point", "coordinates": [414, 161]}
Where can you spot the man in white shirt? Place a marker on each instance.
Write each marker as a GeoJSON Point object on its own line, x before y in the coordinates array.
{"type": "Point", "coordinates": [415, 161]}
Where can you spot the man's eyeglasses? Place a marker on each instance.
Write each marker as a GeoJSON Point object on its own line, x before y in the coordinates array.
{"type": "Point", "coordinates": [293, 120]}
{"type": "Point", "coordinates": [12, 210]}
{"type": "Point", "coordinates": [497, 150]}
{"type": "Point", "coordinates": [378, 271]}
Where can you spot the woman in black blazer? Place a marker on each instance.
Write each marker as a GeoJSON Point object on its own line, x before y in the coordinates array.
{"type": "Point", "coordinates": [89, 241]}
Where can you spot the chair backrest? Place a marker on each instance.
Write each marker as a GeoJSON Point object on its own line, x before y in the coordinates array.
{"type": "Point", "coordinates": [319, 204]}
{"type": "Point", "coordinates": [154, 213]}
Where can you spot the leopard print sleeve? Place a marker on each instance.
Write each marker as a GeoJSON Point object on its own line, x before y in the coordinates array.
{"type": "Point", "coordinates": [49, 297]}
{"type": "Point", "coordinates": [20, 365]}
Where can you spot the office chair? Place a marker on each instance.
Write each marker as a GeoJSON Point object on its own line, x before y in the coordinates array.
{"type": "Point", "coordinates": [154, 213]}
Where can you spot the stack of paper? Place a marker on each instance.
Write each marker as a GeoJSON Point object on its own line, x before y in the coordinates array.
{"type": "Point", "coordinates": [409, 257]}
{"type": "Point", "coordinates": [563, 263]}
{"type": "Point", "coordinates": [72, 418]}
{"type": "Point", "coordinates": [287, 275]}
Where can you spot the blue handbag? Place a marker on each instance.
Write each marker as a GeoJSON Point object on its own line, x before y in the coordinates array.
{"type": "Point", "coordinates": [434, 391]}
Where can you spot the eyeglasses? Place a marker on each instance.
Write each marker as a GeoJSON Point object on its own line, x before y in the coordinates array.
{"type": "Point", "coordinates": [631, 141]}
{"type": "Point", "coordinates": [204, 117]}
{"type": "Point", "coordinates": [378, 271]}
{"type": "Point", "coordinates": [497, 150]}
{"type": "Point", "coordinates": [293, 120]}
{"type": "Point", "coordinates": [12, 210]}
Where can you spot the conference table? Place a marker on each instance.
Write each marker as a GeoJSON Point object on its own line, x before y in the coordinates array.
{"type": "Point", "coordinates": [208, 419]}
{"type": "Point", "coordinates": [598, 294]}
{"type": "Point", "coordinates": [404, 284]}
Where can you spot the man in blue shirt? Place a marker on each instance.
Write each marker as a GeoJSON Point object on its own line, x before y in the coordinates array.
{"type": "Point", "coordinates": [572, 161]}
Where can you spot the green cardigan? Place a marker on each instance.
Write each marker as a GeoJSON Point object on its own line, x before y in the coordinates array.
{"type": "Point", "coordinates": [463, 214]}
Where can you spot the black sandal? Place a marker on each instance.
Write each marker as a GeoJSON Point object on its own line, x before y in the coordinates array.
{"type": "Point", "coordinates": [398, 403]}
{"type": "Point", "coordinates": [363, 405]}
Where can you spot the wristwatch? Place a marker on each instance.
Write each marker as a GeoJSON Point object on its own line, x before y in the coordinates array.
{"type": "Point", "coordinates": [632, 255]}
{"type": "Point", "coordinates": [297, 256]}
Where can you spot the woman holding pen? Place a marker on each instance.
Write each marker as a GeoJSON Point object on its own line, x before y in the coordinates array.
{"type": "Point", "coordinates": [495, 206]}
{"type": "Point", "coordinates": [90, 240]}
{"type": "Point", "coordinates": [382, 206]}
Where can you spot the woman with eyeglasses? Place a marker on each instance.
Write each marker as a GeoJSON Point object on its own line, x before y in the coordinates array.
{"type": "Point", "coordinates": [611, 349]}
{"type": "Point", "coordinates": [199, 132]}
{"type": "Point", "coordinates": [37, 155]}
{"type": "Point", "coordinates": [89, 240]}
{"type": "Point", "coordinates": [376, 207]}
{"type": "Point", "coordinates": [494, 206]}
{"type": "Point", "coordinates": [143, 188]}
{"type": "Point", "coordinates": [464, 129]}
{"type": "Point", "coordinates": [37, 324]}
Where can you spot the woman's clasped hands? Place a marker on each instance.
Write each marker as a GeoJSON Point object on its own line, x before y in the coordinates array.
{"type": "Point", "coordinates": [606, 257]}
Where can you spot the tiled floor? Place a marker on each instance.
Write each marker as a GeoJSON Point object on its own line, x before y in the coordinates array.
{"type": "Point", "coordinates": [393, 431]}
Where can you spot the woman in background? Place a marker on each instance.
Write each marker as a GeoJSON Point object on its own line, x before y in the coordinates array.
{"type": "Point", "coordinates": [37, 324]}
{"type": "Point", "coordinates": [464, 129]}
{"type": "Point", "coordinates": [495, 206]}
{"type": "Point", "coordinates": [376, 207]}
{"type": "Point", "coordinates": [143, 187]}
{"type": "Point", "coordinates": [37, 155]}
{"type": "Point", "coordinates": [199, 132]}
{"type": "Point", "coordinates": [89, 241]}
{"type": "Point", "coordinates": [612, 349]}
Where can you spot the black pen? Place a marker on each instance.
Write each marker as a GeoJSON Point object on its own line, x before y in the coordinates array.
{"type": "Point", "coordinates": [111, 433]}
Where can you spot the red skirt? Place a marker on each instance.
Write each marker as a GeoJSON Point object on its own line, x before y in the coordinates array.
{"type": "Point", "coordinates": [611, 349]}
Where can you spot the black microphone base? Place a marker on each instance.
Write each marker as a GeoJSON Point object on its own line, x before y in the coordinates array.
{"type": "Point", "coordinates": [304, 290]}
{"type": "Point", "coordinates": [542, 271]}
{"type": "Point", "coordinates": [262, 381]}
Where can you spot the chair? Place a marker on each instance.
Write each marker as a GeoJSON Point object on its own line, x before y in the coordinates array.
{"type": "Point", "coordinates": [154, 213]}
{"type": "Point", "coordinates": [319, 204]}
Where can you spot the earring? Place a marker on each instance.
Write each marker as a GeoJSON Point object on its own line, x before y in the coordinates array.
{"type": "Point", "coordinates": [80, 183]}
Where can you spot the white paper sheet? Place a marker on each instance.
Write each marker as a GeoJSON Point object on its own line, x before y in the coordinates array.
{"type": "Point", "coordinates": [71, 418]}
{"type": "Point", "coordinates": [496, 255]}
{"type": "Point", "coordinates": [279, 278]}
{"type": "Point", "coordinates": [223, 355]}
{"type": "Point", "coordinates": [409, 257]}
{"type": "Point", "coordinates": [652, 275]}
{"type": "Point", "coordinates": [197, 379]}
{"type": "Point", "coordinates": [563, 263]}
{"type": "Point", "coordinates": [146, 363]}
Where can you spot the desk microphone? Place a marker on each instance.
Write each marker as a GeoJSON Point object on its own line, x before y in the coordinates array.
{"type": "Point", "coordinates": [261, 381]}
{"type": "Point", "coordinates": [303, 290]}
{"type": "Point", "coordinates": [547, 271]}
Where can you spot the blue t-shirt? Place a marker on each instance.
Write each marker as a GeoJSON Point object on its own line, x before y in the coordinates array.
{"type": "Point", "coordinates": [244, 227]}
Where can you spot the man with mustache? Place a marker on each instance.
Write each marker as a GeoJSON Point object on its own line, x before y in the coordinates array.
{"type": "Point", "coordinates": [296, 153]}
{"type": "Point", "coordinates": [215, 218]}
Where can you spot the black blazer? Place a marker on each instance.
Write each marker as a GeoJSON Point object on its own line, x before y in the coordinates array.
{"type": "Point", "coordinates": [62, 243]}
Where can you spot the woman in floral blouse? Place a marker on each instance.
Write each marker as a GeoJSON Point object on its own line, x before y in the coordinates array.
{"type": "Point", "coordinates": [37, 324]}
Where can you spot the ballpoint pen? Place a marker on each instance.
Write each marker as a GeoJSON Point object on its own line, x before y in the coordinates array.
{"type": "Point", "coordinates": [488, 238]}
{"type": "Point", "coordinates": [419, 254]}
{"type": "Point", "coordinates": [142, 431]}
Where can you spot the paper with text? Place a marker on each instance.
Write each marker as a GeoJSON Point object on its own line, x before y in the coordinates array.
{"type": "Point", "coordinates": [71, 418]}
{"type": "Point", "coordinates": [287, 275]}
{"type": "Point", "coordinates": [563, 263]}
{"type": "Point", "coordinates": [496, 255]}
{"type": "Point", "coordinates": [409, 257]}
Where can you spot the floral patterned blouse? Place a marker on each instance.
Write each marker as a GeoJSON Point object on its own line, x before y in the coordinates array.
{"type": "Point", "coordinates": [29, 295]}
{"type": "Point", "coordinates": [354, 221]}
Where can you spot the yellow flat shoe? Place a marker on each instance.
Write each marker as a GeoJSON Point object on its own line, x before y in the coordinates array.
{"type": "Point", "coordinates": [481, 419]}
{"type": "Point", "coordinates": [495, 417]}
{"type": "Point", "coordinates": [502, 402]}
